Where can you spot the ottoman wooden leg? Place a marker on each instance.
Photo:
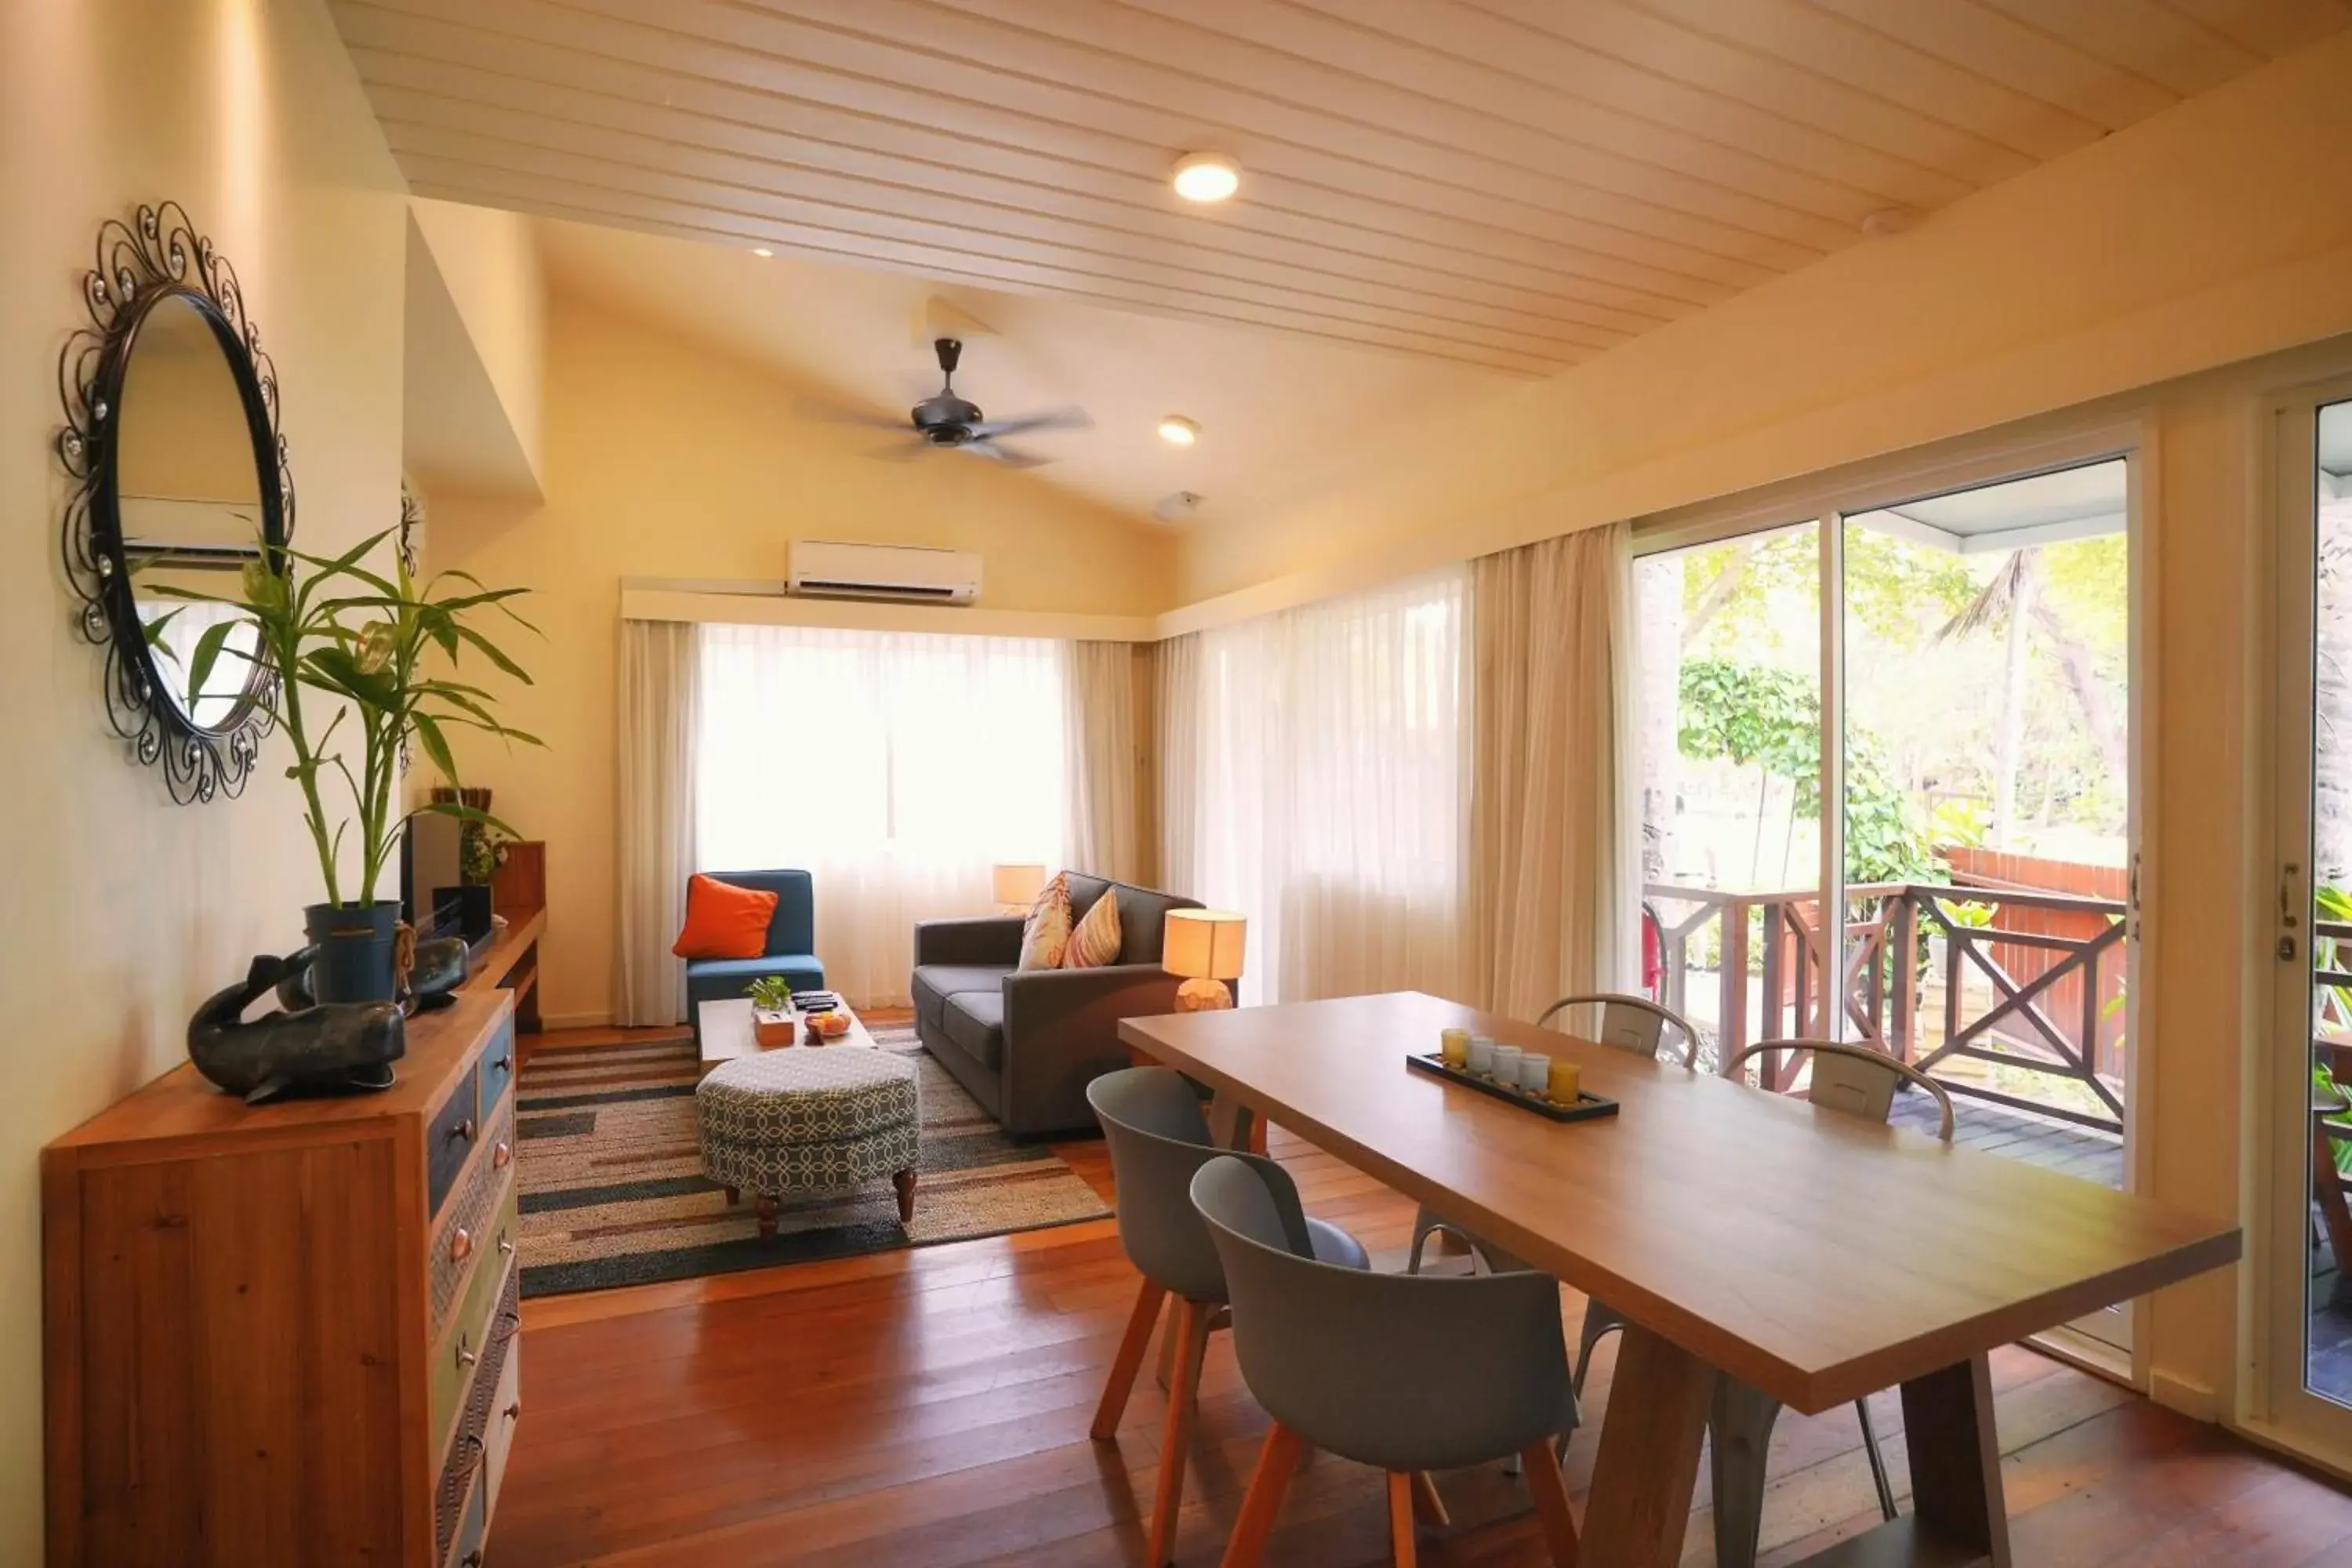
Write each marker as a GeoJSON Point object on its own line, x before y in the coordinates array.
{"type": "Point", "coordinates": [904, 1182]}
{"type": "Point", "coordinates": [767, 1217]}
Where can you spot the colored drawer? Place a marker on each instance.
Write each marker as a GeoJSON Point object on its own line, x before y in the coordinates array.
{"type": "Point", "coordinates": [489, 1296]}
{"type": "Point", "coordinates": [466, 1551]}
{"type": "Point", "coordinates": [506, 1415]}
{"type": "Point", "coordinates": [450, 1137]}
{"type": "Point", "coordinates": [464, 1225]}
{"type": "Point", "coordinates": [497, 1068]}
{"type": "Point", "coordinates": [477, 1454]}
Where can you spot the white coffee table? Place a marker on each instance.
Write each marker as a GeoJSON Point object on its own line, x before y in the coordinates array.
{"type": "Point", "coordinates": [728, 1036]}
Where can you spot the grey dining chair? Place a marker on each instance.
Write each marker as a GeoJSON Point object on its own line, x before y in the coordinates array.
{"type": "Point", "coordinates": [1157, 1137]}
{"type": "Point", "coordinates": [1405, 1372]}
{"type": "Point", "coordinates": [1857, 1081]}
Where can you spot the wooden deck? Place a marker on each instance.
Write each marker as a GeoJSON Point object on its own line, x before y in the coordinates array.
{"type": "Point", "coordinates": [2053, 1145]}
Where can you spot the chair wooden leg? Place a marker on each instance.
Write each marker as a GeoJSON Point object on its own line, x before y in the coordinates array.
{"type": "Point", "coordinates": [1189, 1325]}
{"type": "Point", "coordinates": [1132, 1345]}
{"type": "Point", "coordinates": [1551, 1504]}
{"type": "Point", "coordinates": [1427, 1506]}
{"type": "Point", "coordinates": [1275, 1463]}
{"type": "Point", "coordinates": [1402, 1544]}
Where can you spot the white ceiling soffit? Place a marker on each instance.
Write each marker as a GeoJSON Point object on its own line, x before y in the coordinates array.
{"type": "Point", "coordinates": [2046, 509]}
{"type": "Point", "coordinates": [1512, 183]}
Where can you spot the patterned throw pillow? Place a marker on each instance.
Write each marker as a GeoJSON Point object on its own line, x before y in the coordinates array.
{"type": "Point", "coordinates": [1045, 935]}
{"type": "Point", "coordinates": [1096, 941]}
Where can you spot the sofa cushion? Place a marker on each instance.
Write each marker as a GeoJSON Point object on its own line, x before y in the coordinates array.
{"type": "Point", "coordinates": [1096, 940]}
{"type": "Point", "coordinates": [714, 977]}
{"type": "Point", "coordinates": [935, 983]}
{"type": "Point", "coordinates": [976, 1021]}
{"type": "Point", "coordinates": [792, 927]}
{"type": "Point", "coordinates": [723, 921]}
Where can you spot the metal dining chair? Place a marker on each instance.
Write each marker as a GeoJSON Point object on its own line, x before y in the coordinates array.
{"type": "Point", "coordinates": [1857, 1081]}
{"type": "Point", "coordinates": [1157, 1137]}
{"type": "Point", "coordinates": [1405, 1372]}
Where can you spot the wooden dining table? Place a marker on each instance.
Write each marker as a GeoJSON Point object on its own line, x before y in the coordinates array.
{"type": "Point", "coordinates": [1749, 1239]}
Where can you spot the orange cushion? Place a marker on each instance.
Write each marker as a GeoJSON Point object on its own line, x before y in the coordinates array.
{"type": "Point", "coordinates": [723, 921]}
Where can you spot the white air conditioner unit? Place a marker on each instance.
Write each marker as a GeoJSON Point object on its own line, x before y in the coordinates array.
{"type": "Point", "coordinates": [906, 572]}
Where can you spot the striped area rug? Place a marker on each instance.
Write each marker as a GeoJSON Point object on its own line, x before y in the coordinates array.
{"type": "Point", "coordinates": [614, 1194]}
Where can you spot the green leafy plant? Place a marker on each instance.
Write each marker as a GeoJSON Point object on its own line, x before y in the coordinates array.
{"type": "Point", "coordinates": [341, 634]}
{"type": "Point", "coordinates": [772, 994]}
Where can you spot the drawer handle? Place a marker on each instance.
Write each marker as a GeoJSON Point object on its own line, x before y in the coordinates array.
{"type": "Point", "coordinates": [505, 1247]}
{"type": "Point", "coordinates": [466, 1354]}
{"type": "Point", "coordinates": [505, 1063]}
{"type": "Point", "coordinates": [463, 1133]}
{"type": "Point", "coordinates": [514, 1411]}
{"type": "Point", "coordinates": [501, 1152]}
{"type": "Point", "coordinates": [472, 1559]}
{"type": "Point", "coordinates": [461, 1244]}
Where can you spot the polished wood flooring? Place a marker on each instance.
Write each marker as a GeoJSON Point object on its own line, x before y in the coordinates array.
{"type": "Point", "coordinates": [930, 1407]}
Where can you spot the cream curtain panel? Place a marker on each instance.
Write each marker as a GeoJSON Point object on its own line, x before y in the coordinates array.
{"type": "Point", "coordinates": [1104, 833]}
{"type": "Point", "coordinates": [1176, 712]}
{"type": "Point", "coordinates": [1334, 790]}
{"type": "Point", "coordinates": [660, 726]}
{"type": "Point", "coordinates": [1554, 873]}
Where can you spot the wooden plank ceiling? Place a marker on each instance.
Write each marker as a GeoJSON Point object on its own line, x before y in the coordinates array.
{"type": "Point", "coordinates": [1516, 184]}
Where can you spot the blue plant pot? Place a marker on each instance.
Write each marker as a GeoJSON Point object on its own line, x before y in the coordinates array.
{"type": "Point", "coordinates": [356, 945]}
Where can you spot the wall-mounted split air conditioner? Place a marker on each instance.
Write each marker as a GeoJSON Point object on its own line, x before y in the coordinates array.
{"type": "Point", "coordinates": [908, 572]}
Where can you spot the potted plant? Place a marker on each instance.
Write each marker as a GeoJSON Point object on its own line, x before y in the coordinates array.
{"type": "Point", "coordinates": [773, 1023]}
{"type": "Point", "coordinates": [341, 636]}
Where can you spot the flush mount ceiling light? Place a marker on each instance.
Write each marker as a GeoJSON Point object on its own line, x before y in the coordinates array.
{"type": "Point", "coordinates": [762, 250]}
{"type": "Point", "coordinates": [1179, 431]}
{"type": "Point", "coordinates": [1206, 177]}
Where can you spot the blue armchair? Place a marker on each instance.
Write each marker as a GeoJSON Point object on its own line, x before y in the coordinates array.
{"type": "Point", "coordinates": [791, 945]}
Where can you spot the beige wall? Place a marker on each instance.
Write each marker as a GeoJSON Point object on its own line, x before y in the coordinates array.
{"type": "Point", "coordinates": [477, 322]}
{"type": "Point", "coordinates": [125, 911]}
{"type": "Point", "coordinates": [665, 460]}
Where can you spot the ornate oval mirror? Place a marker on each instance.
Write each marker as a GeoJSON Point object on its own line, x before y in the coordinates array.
{"type": "Point", "coordinates": [181, 482]}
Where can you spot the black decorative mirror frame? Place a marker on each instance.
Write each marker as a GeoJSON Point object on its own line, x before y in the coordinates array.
{"type": "Point", "coordinates": [157, 258]}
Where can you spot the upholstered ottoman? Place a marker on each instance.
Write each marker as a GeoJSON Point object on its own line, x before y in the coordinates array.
{"type": "Point", "coordinates": [807, 1121]}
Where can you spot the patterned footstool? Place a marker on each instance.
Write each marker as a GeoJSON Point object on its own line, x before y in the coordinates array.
{"type": "Point", "coordinates": [807, 1120]}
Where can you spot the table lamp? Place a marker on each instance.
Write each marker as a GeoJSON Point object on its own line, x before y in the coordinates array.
{"type": "Point", "coordinates": [1017, 888]}
{"type": "Point", "coordinates": [1205, 947]}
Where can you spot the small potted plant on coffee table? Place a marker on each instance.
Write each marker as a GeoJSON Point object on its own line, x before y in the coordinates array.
{"type": "Point", "coordinates": [773, 1023]}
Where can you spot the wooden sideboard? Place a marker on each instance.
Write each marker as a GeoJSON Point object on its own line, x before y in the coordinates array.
{"type": "Point", "coordinates": [286, 1335]}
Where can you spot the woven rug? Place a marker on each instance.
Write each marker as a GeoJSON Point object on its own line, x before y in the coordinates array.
{"type": "Point", "coordinates": [614, 1194]}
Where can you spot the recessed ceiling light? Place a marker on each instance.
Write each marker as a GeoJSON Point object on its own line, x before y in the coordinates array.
{"type": "Point", "coordinates": [1206, 177]}
{"type": "Point", "coordinates": [762, 250]}
{"type": "Point", "coordinates": [1179, 431]}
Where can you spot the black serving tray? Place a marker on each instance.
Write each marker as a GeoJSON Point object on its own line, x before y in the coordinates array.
{"type": "Point", "coordinates": [1588, 1107]}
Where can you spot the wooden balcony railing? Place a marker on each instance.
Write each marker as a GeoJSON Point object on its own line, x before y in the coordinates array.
{"type": "Point", "coordinates": [2031, 982]}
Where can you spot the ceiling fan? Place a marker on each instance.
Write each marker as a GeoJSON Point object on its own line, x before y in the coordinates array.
{"type": "Point", "coordinates": [945, 421]}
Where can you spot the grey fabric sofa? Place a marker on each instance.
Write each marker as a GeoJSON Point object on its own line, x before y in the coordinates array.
{"type": "Point", "coordinates": [1026, 1043]}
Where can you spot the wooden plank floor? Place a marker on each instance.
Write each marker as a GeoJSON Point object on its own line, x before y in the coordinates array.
{"type": "Point", "coordinates": [2043, 1140]}
{"type": "Point", "coordinates": [930, 1407]}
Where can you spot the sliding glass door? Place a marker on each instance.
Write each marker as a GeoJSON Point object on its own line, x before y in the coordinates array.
{"type": "Point", "coordinates": [1730, 706]}
{"type": "Point", "coordinates": [1886, 781]}
{"type": "Point", "coordinates": [2308, 1323]}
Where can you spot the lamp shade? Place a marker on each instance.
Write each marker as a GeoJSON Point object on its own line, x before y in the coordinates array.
{"type": "Point", "coordinates": [1019, 884]}
{"type": "Point", "coordinates": [1204, 944]}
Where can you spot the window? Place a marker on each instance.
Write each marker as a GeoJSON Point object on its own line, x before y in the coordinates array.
{"type": "Point", "coordinates": [897, 768]}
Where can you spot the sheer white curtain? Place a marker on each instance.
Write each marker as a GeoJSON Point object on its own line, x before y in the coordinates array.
{"type": "Point", "coordinates": [1176, 717]}
{"type": "Point", "coordinates": [660, 725]}
{"type": "Point", "coordinates": [896, 768]}
{"type": "Point", "coordinates": [1334, 790]}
